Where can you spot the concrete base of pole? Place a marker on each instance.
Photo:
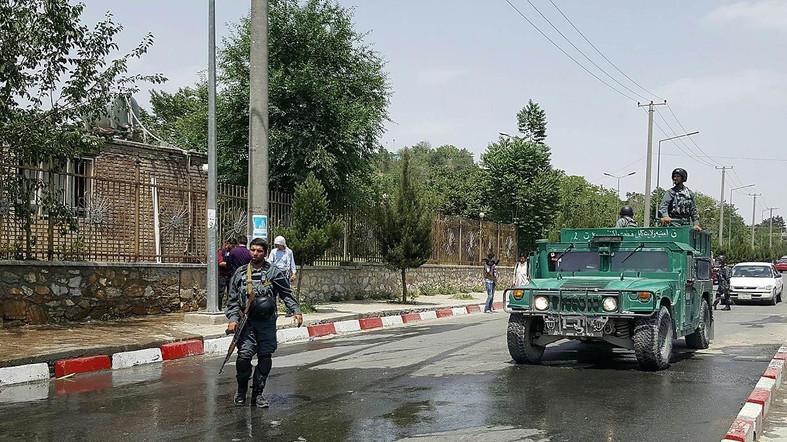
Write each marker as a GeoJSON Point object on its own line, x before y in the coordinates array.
{"type": "Point", "coordinates": [205, 318]}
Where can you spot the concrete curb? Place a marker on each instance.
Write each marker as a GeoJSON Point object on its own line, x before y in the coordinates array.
{"type": "Point", "coordinates": [748, 425]}
{"type": "Point", "coordinates": [126, 357]}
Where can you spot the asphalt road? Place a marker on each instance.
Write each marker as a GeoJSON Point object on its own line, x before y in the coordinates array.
{"type": "Point", "coordinates": [448, 380]}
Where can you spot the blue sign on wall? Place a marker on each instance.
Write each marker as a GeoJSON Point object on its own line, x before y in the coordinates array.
{"type": "Point", "coordinates": [260, 230]}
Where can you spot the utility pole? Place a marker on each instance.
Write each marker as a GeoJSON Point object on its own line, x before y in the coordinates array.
{"type": "Point", "coordinates": [721, 209]}
{"type": "Point", "coordinates": [753, 214]}
{"type": "Point", "coordinates": [649, 160]}
{"type": "Point", "coordinates": [212, 282]}
{"type": "Point", "coordinates": [258, 121]}
{"type": "Point", "coordinates": [770, 230]}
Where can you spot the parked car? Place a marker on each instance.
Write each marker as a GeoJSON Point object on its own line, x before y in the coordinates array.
{"type": "Point", "coordinates": [756, 281]}
{"type": "Point", "coordinates": [781, 264]}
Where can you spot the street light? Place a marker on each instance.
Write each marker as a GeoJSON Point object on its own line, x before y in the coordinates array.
{"type": "Point", "coordinates": [658, 161]}
{"type": "Point", "coordinates": [729, 226]}
{"type": "Point", "coordinates": [619, 178]}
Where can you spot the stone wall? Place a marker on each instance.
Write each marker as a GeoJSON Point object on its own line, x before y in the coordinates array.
{"type": "Point", "coordinates": [33, 292]}
{"type": "Point", "coordinates": [321, 284]}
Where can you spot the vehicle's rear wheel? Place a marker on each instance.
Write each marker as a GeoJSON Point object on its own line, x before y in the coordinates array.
{"type": "Point", "coordinates": [700, 339]}
{"type": "Point", "coordinates": [653, 340]}
{"type": "Point", "coordinates": [521, 335]}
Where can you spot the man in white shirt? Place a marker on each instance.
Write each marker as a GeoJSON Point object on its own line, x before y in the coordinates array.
{"type": "Point", "coordinates": [520, 271]}
{"type": "Point", "coordinates": [282, 258]}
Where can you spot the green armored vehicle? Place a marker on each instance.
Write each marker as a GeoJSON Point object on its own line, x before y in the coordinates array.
{"type": "Point", "coordinates": [636, 288]}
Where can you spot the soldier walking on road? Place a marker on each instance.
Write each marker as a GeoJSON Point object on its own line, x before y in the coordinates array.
{"type": "Point", "coordinates": [723, 290]}
{"type": "Point", "coordinates": [678, 207]}
{"type": "Point", "coordinates": [626, 218]}
{"type": "Point", "coordinates": [259, 334]}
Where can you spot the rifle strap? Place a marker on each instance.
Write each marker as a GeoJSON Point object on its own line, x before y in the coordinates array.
{"type": "Point", "coordinates": [249, 289]}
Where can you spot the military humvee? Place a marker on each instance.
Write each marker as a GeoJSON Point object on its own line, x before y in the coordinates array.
{"type": "Point", "coordinates": [636, 288]}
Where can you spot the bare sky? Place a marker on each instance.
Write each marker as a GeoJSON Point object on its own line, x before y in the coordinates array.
{"type": "Point", "coordinates": [460, 71]}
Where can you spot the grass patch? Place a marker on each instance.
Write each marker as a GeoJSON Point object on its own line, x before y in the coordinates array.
{"type": "Point", "coordinates": [462, 296]}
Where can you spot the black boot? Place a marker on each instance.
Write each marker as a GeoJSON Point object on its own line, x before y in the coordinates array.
{"type": "Point", "coordinates": [240, 396]}
{"type": "Point", "coordinates": [727, 307]}
{"type": "Point", "coordinates": [257, 399]}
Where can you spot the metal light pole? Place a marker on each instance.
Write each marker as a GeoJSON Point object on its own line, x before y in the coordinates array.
{"type": "Point", "coordinates": [721, 208]}
{"type": "Point", "coordinates": [770, 229]}
{"type": "Point", "coordinates": [212, 282]}
{"type": "Point", "coordinates": [619, 178]}
{"type": "Point", "coordinates": [729, 226]}
{"type": "Point", "coordinates": [649, 158]}
{"type": "Point", "coordinates": [658, 159]}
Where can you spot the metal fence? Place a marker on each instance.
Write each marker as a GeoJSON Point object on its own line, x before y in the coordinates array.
{"type": "Point", "coordinates": [145, 221]}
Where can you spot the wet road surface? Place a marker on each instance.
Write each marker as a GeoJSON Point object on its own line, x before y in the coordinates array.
{"type": "Point", "coordinates": [449, 380]}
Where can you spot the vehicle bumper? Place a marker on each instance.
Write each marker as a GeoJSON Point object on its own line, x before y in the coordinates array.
{"type": "Point", "coordinates": [572, 325]}
{"type": "Point", "coordinates": [751, 295]}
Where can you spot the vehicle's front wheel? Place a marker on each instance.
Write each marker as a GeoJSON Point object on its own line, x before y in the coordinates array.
{"type": "Point", "coordinates": [521, 336]}
{"type": "Point", "coordinates": [653, 340]}
{"type": "Point", "coordinates": [700, 339]}
{"type": "Point", "coordinates": [773, 298]}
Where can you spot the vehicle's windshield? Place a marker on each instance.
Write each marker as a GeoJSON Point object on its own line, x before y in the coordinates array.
{"type": "Point", "coordinates": [752, 272]}
{"type": "Point", "coordinates": [641, 261]}
{"type": "Point", "coordinates": [575, 262]}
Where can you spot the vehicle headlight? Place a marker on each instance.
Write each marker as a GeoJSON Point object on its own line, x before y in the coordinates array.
{"type": "Point", "coordinates": [541, 302]}
{"type": "Point", "coordinates": [768, 287]}
{"type": "Point", "coordinates": [609, 304]}
{"type": "Point", "coordinates": [519, 294]}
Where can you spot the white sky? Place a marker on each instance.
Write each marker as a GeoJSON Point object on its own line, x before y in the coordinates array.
{"type": "Point", "coordinates": [460, 71]}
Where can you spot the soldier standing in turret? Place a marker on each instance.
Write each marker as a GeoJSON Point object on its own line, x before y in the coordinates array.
{"type": "Point", "coordinates": [678, 207]}
{"type": "Point", "coordinates": [626, 218]}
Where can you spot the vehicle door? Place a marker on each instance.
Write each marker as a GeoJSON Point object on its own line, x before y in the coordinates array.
{"type": "Point", "coordinates": [778, 280]}
{"type": "Point", "coordinates": [690, 292]}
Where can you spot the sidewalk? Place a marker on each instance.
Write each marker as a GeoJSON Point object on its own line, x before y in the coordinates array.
{"type": "Point", "coordinates": [36, 344]}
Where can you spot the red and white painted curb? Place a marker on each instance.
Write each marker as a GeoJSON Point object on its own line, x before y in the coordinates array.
{"type": "Point", "coordinates": [748, 425]}
{"type": "Point", "coordinates": [65, 368]}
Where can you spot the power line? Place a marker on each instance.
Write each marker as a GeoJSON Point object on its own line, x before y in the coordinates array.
{"type": "Point", "coordinates": [680, 142]}
{"type": "Point", "coordinates": [568, 40]}
{"type": "Point", "coordinates": [601, 53]}
{"type": "Point", "coordinates": [566, 53]}
{"type": "Point", "coordinates": [682, 127]}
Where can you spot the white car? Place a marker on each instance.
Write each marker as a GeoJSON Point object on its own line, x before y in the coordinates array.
{"type": "Point", "coordinates": [756, 281]}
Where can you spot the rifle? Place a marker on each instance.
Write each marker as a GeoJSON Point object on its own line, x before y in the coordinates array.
{"type": "Point", "coordinates": [244, 316]}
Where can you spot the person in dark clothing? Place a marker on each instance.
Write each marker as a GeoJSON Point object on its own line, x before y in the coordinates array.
{"type": "Point", "coordinates": [723, 290]}
{"type": "Point", "coordinates": [259, 334]}
{"type": "Point", "coordinates": [239, 256]}
{"type": "Point", "coordinates": [678, 207]}
{"type": "Point", "coordinates": [225, 270]}
{"type": "Point", "coordinates": [626, 217]}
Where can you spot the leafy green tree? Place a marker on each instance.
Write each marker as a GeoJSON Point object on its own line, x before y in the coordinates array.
{"type": "Point", "coordinates": [404, 226]}
{"type": "Point", "coordinates": [313, 229]}
{"type": "Point", "coordinates": [532, 122]}
{"type": "Point", "coordinates": [328, 100]}
{"type": "Point", "coordinates": [583, 204]}
{"type": "Point", "coordinates": [56, 79]}
{"type": "Point", "coordinates": [521, 187]}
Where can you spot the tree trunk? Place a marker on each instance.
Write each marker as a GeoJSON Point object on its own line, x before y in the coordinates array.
{"type": "Point", "coordinates": [404, 288]}
{"type": "Point", "coordinates": [298, 288]}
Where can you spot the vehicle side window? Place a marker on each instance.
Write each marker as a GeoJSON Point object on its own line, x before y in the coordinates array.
{"type": "Point", "coordinates": [703, 270]}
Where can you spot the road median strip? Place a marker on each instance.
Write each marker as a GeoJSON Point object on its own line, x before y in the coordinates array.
{"type": "Point", "coordinates": [748, 425]}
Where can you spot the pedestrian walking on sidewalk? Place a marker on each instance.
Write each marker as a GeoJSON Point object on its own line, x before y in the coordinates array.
{"type": "Point", "coordinates": [520, 271]}
{"type": "Point", "coordinates": [282, 257]}
{"type": "Point", "coordinates": [723, 290]}
{"type": "Point", "coordinates": [490, 279]}
{"type": "Point", "coordinates": [239, 255]}
{"type": "Point", "coordinates": [225, 269]}
{"type": "Point", "coordinates": [267, 283]}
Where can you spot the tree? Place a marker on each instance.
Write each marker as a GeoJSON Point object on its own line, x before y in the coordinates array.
{"type": "Point", "coordinates": [532, 122]}
{"type": "Point", "coordinates": [521, 187]}
{"type": "Point", "coordinates": [313, 229]}
{"type": "Point", "coordinates": [404, 226]}
{"type": "Point", "coordinates": [584, 205]}
{"type": "Point", "coordinates": [328, 100]}
{"type": "Point", "coordinates": [56, 79]}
